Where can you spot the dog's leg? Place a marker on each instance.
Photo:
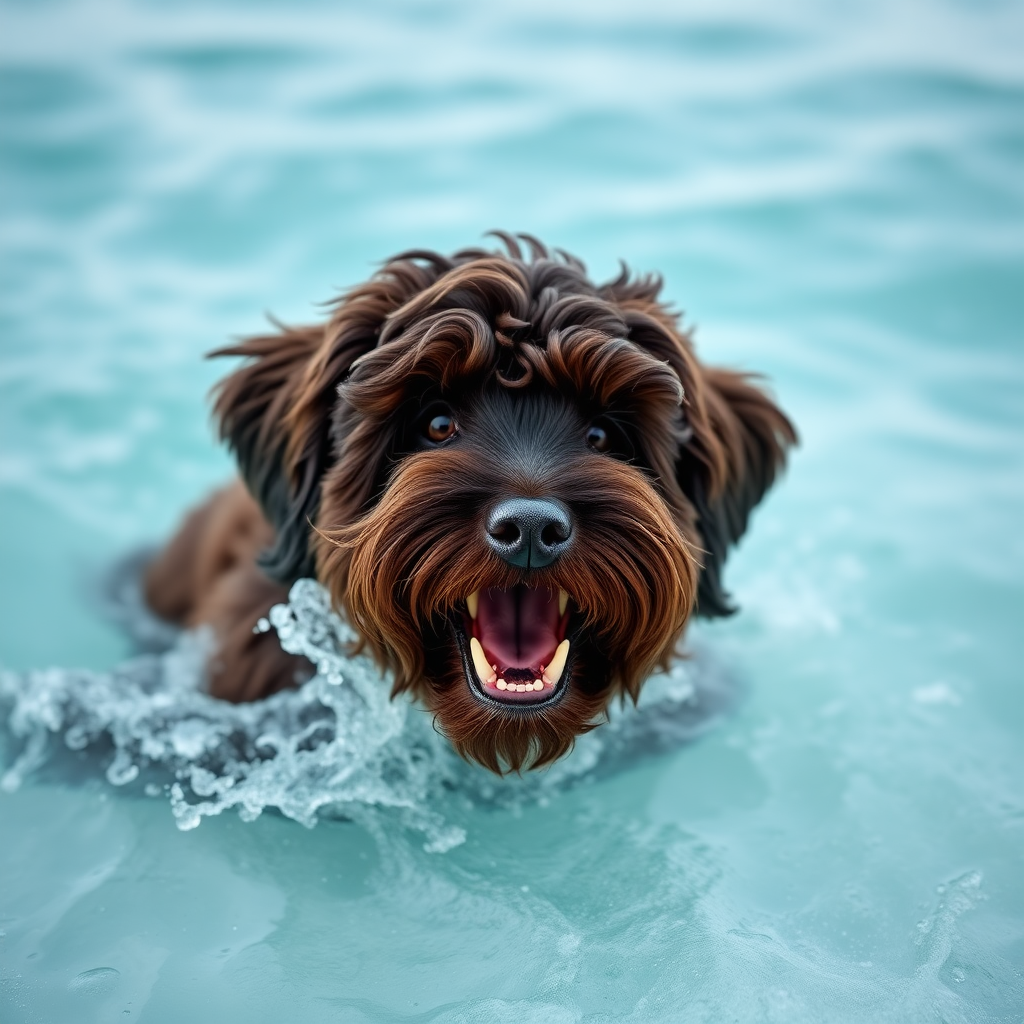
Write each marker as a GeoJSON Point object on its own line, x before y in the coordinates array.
{"type": "Point", "coordinates": [207, 575]}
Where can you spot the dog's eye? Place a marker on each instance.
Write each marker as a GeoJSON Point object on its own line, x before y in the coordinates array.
{"type": "Point", "coordinates": [439, 428]}
{"type": "Point", "coordinates": [597, 438]}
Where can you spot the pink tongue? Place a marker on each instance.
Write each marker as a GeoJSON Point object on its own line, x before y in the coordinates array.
{"type": "Point", "coordinates": [518, 628]}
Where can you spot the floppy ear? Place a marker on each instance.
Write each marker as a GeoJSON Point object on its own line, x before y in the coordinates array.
{"type": "Point", "coordinates": [275, 411]}
{"type": "Point", "coordinates": [254, 406]}
{"type": "Point", "coordinates": [739, 443]}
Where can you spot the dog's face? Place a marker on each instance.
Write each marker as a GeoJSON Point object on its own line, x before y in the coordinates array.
{"type": "Point", "coordinates": [520, 483]}
{"type": "Point", "coordinates": [519, 565]}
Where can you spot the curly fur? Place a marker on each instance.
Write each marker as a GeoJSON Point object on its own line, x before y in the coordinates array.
{"type": "Point", "coordinates": [528, 352]}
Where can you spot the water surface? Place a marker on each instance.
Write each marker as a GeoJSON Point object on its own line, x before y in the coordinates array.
{"type": "Point", "coordinates": [835, 197]}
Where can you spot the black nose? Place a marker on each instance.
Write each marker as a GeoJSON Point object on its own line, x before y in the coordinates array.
{"type": "Point", "coordinates": [529, 532]}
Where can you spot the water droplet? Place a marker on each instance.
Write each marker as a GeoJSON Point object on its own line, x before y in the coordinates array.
{"type": "Point", "coordinates": [100, 981]}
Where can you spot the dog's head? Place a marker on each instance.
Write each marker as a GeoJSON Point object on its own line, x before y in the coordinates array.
{"type": "Point", "coordinates": [516, 485]}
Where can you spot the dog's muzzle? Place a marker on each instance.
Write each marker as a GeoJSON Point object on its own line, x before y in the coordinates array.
{"type": "Point", "coordinates": [516, 644]}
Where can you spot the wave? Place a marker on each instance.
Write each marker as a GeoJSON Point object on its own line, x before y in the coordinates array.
{"type": "Point", "coordinates": [336, 747]}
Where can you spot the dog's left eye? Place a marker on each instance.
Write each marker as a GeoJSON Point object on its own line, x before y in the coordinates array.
{"type": "Point", "coordinates": [609, 437]}
{"type": "Point", "coordinates": [439, 428]}
{"type": "Point", "coordinates": [598, 439]}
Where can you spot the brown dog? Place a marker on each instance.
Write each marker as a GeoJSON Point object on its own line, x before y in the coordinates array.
{"type": "Point", "coordinates": [515, 484]}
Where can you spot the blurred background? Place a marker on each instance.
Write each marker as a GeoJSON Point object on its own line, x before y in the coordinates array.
{"type": "Point", "coordinates": [834, 194]}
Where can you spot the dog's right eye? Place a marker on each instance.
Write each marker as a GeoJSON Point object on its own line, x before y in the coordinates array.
{"type": "Point", "coordinates": [439, 428]}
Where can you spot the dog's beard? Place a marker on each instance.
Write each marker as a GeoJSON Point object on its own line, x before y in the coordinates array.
{"type": "Point", "coordinates": [418, 584]}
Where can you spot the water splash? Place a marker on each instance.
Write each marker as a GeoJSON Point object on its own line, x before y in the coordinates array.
{"type": "Point", "coordinates": [336, 747]}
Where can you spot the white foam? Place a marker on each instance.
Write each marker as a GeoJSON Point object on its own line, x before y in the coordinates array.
{"type": "Point", "coordinates": [337, 746]}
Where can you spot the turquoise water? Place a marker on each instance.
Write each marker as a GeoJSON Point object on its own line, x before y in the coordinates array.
{"type": "Point", "coordinates": [835, 196]}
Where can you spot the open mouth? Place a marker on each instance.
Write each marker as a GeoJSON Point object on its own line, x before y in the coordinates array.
{"type": "Point", "coordinates": [514, 643]}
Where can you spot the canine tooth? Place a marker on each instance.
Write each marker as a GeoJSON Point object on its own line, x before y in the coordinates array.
{"type": "Point", "coordinates": [483, 670]}
{"type": "Point", "coordinates": [563, 602]}
{"type": "Point", "coordinates": [501, 684]}
{"type": "Point", "coordinates": [538, 685]}
{"type": "Point", "coordinates": [554, 671]}
{"type": "Point", "coordinates": [473, 603]}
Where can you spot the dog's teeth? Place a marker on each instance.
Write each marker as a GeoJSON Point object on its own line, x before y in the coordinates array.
{"type": "Point", "coordinates": [501, 684]}
{"type": "Point", "coordinates": [483, 670]}
{"type": "Point", "coordinates": [538, 685]}
{"type": "Point", "coordinates": [563, 602]}
{"type": "Point", "coordinates": [554, 671]}
{"type": "Point", "coordinates": [473, 603]}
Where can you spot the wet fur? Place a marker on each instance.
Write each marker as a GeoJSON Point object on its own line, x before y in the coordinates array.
{"type": "Point", "coordinates": [528, 351]}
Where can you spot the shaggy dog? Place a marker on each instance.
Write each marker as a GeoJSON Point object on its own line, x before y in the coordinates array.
{"type": "Point", "coordinates": [516, 485]}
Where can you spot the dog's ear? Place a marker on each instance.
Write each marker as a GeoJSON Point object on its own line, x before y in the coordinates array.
{"type": "Point", "coordinates": [254, 407]}
{"type": "Point", "coordinates": [733, 442]}
{"type": "Point", "coordinates": [275, 411]}
{"type": "Point", "coordinates": [737, 445]}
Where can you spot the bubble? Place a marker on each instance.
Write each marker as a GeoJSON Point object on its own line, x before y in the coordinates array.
{"type": "Point", "coordinates": [100, 981]}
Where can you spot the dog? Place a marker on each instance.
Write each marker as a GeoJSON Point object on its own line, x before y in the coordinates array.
{"type": "Point", "coordinates": [516, 485]}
